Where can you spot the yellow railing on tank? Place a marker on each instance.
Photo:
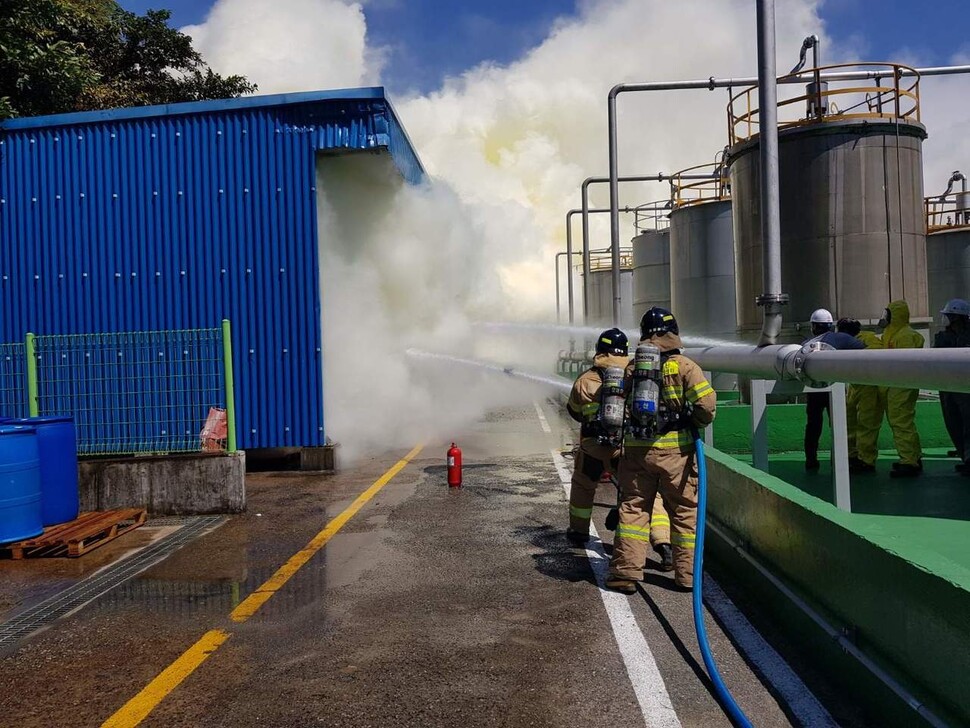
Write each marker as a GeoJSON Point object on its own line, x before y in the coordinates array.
{"type": "Point", "coordinates": [831, 101]}
{"type": "Point", "coordinates": [943, 212]}
{"type": "Point", "coordinates": [603, 260]}
{"type": "Point", "coordinates": [684, 192]}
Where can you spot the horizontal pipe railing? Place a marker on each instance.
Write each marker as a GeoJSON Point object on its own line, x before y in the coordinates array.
{"type": "Point", "coordinates": [945, 370]}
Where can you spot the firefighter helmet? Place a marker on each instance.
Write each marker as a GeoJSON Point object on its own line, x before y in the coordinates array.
{"type": "Point", "coordinates": [612, 341]}
{"type": "Point", "coordinates": [657, 321]}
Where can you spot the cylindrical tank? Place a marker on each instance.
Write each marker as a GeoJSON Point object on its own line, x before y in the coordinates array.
{"type": "Point", "coordinates": [948, 266]}
{"type": "Point", "coordinates": [853, 233]}
{"type": "Point", "coordinates": [57, 449]}
{"type": "Point", "coordinates": [702, 269]}
{"type": "Point", "coordinates": [651, 271]}
{"type": "Point", "coordinates": [600, 292]}
{"type": "Point", "coordinates": [20, 500]}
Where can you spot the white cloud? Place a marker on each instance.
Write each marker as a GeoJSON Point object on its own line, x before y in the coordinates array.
{"type": "Point", "coordinates": [291, 45]}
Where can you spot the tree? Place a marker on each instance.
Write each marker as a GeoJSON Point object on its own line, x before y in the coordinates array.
{"type": "Point", "coordinates": [78, 55]}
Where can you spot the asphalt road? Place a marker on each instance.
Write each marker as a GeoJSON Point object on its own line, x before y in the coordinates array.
{"type": "Point", "coordinates": [429, 607]}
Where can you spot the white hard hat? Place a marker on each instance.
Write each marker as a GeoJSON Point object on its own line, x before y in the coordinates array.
{"type": "Point", "coordinates": [957, 306]}
{"type": "Point", "coordinates": [822, 316]}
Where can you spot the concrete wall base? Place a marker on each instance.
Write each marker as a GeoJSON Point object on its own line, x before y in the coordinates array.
{"type": "Point", "coordinates": [319, 458]}
{"type": "Point", "coordinates": [172, 485]}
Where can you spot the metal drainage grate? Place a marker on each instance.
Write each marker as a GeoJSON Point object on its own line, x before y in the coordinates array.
{"type": "Point", "coordinates": [75, 597]}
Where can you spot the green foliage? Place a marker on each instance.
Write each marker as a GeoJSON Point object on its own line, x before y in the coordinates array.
{"type": "Point", "coordinates": [76, 55]}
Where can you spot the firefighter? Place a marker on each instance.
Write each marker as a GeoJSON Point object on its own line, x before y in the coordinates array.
{"type": "Point", "coordinates": [900, 403]}
{"type": "Point", "coordinates": [956, 405]}
{"type": "Point", "coordinates": [599, 446]}
{"type": "Point", "coordinates": [663, 463]}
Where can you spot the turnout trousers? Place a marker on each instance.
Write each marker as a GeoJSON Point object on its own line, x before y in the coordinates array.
{"type": "Point", "coordinates": [592, 460]}
{"type": "Point", "coordinates": [645, 472]}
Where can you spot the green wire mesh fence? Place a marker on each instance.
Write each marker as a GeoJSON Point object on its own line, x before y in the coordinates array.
{"type": "Point", "coordinates": [133, 392]}
{"type": "Point", "coordinates": [13, 380]}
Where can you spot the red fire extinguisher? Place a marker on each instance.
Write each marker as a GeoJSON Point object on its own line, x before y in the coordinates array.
{"type": "Point", "coordinates": [454, 466]}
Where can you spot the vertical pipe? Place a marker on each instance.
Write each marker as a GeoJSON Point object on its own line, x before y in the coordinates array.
{"type": "Point", "coordinates": [569, 264]}
{"type": "Point", "coordinates": [230, 390]}
{"type": "Point", "coordinates": [586, 252]}
{"type": "Point", "coordinates": [772, 299]}
{"type": "Point", "coordinates": [33, 404]}
{"type": "Point", "coordinates": [614, 207]}
{"type": "Point", "coordinates": [558, 311]}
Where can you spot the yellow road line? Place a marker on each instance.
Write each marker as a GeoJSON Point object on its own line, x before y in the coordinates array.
{"type": "Point", "coordinates": [248, 606]}
{"type": "Point", "coordinates": [138, 708]}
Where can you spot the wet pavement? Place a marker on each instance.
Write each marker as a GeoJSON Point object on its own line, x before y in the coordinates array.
{"type": "Point", "coordinates": [430, 607]}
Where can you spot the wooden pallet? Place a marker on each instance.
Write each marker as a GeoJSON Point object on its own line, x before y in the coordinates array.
{"type": "Point", "coordinates": [75, 538]}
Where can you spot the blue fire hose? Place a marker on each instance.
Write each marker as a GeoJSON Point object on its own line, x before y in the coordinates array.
{"type": "Point", "coordinates": [724, 696]}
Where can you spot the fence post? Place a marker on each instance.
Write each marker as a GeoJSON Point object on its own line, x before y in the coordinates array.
{"type": "Point", "coordinates": [33, 405]}
{"type": "Point", "coordinates": [230, 392]}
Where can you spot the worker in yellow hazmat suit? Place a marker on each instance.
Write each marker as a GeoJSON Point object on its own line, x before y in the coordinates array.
{"type": "Point", "coordinates": [863, 409]}
{"type": "Point", "coordinates": [901, 403]}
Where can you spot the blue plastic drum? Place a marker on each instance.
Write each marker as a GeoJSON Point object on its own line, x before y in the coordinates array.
{"type": "Point", "coordinates": [20, 498]}
{"type": "Point", "coordinates": [57, 447]}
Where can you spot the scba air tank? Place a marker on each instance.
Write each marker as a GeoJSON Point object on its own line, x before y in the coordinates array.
{"type": "Point", "coordinates": [613, 399]}
{"type": "Point", "coordinates": [646, 388]}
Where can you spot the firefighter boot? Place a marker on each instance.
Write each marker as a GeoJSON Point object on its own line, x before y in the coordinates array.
{"type": "Point", "coordinates": [624, 586]}
{"type": "Point", "coordinates": [666, 553]}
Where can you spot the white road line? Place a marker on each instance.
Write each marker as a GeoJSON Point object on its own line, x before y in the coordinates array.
{"type": "Point", "coordinates": [648, 685]}
{"type": "Point", "coordinates": [800, 700]}
{"type": "Point", "coordinates": [542, 419]}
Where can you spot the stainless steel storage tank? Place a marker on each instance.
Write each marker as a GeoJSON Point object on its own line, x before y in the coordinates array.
{"type": "Point", "coordinates": [599, 289]}
{"type": "Point", "coordinates": [651, 258]}
{"type": "Point", "coordinates": [702, 274]}
{"type": "Point", "coordinates": [853, 235]}
{"type": "Point", "coordinates": [948, 245]}
{"type": "Point", "coordinates": [651, 271]}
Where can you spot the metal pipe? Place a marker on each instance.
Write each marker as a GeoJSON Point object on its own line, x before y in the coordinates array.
{"type": "Point", "coordinates": [957, 176]}
{"type": "Point", "coordinates": [713, 83]}
{"type": "Point", "coordinates": [615, 220]}
{"type": "Point", "coordinates": [772, 298]}
{"type": "Point", "coordinates": [933, 369]}
{"type": "Point", "coordinates": [812, 42]}
{"type": "Point", "coordinates": [836, 635]}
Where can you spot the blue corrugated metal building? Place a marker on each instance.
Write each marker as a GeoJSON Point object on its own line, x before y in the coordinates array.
{"type": "Point", "coordinates": [175, 217]}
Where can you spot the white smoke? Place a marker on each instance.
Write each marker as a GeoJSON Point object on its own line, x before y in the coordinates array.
{"type": "Point", "coordinates": [508, 148]}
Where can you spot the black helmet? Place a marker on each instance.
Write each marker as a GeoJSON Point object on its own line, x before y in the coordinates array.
{"type": "Point", "coordinates": [657, 321]}
{"type": "Point", "coordinates": [612, 341]}
{"type": "Point", "coordinates": [848, 326]}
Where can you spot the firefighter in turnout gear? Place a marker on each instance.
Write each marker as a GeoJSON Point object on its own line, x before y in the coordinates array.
{"type": "Point", "coordinates": [669, 400]}
{"type": "Point", "coordinates": [596, 402]}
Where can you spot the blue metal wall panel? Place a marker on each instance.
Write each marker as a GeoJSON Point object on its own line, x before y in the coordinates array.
{"type": "Point", "coordinates": [127, 221]}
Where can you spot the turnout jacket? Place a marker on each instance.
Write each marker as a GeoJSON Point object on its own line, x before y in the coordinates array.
{"type": "Point", "coordinates": [684, 385]}
{"type": "Point", "coordinates": [584, 399]}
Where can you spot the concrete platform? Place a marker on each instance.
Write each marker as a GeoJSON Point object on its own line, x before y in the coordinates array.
{"type": "Point", "coordinates": [893, 575]}
{"type": "Point", "coordinates": [429, 607]}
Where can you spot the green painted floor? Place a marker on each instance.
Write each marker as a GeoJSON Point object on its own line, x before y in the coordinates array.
{"type": "Point", "coordinates": [925, 520]}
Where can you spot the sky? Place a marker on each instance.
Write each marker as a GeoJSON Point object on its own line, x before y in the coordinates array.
{"type": "Point", "coordinates": [432, 39]}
